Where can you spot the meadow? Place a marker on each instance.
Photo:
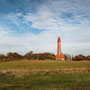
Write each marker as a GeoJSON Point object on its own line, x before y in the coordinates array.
{"type": "Point", "coordinates": [43, 64]}
{"type": "Point", "coordinates": [44, 80]}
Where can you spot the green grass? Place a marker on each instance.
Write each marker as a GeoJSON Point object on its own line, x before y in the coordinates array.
{"type": "Point", "coordinates": [40, 81]}
{"type": "Point", "coordinates": [46, 81]}
{"type": "Point", "coordinates": [43, 65]}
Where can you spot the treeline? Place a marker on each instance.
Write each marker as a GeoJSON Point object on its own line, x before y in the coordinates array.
{"type": "Point", "coordinates": [40, 56]}
{"type": "Point", "coordinates": [30, 56]}
{"type": "Point", "coordinates": [81, 57]}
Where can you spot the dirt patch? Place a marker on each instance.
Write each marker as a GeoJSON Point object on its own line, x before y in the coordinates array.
{"type": "Point", "coordinates": [9, 85]}
{"type": "Point", "coordinates": [5, 85]}
{"type": "Point", "coordinates": [2, 74]}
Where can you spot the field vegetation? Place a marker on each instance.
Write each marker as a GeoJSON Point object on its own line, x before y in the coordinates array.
{"type": "Point", "coordinates": [43, 65]}
{"type": "Point", "coordinates": [44, 80]}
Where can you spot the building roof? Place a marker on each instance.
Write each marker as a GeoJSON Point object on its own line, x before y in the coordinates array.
{"type": "Point", "coordinates": [60, 56]}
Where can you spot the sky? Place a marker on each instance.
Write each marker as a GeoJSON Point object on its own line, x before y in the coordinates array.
{"type": "Point", "coordinates": [35, 25]}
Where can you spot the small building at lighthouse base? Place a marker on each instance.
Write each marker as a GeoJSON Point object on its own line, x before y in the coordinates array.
{"type": "Point", "coordinates": [60, 57]}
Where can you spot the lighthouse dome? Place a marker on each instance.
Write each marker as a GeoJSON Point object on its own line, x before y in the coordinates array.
{"type": "Point", "coordinates": [59, 40]}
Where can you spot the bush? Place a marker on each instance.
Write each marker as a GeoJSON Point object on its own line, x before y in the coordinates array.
{"type": "Point", "coordinates": [80, 57]}
{"type": "Point", "coordinates": [13, 56]}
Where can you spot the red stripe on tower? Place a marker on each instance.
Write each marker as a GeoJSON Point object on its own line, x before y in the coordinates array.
{"type": "Point", "coordinates": [59, 40]}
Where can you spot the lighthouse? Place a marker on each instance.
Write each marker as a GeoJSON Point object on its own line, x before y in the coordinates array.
{"type": "Point", "coordinates": [59, 55]}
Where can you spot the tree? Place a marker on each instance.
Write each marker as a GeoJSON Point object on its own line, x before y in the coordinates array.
{"type": "Point", "coordinates": [80, 57]}
{"type": "Point", "coordinates": [3, 57]}
{"type": "Point", "coordinates": [14, 56]}
{"type": "Point", "coordinates": [35, 56]}
{"type": "Point", "coordinates": [46, 55]}
{"type": "Point", "coordinates": [28, 55]}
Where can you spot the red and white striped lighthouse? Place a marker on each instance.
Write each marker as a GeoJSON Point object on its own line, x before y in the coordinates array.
{"type": "Point", "coordinates": [59, 55]}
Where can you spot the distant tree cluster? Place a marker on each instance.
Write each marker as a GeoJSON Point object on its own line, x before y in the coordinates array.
{"type": "Point", "coordinates": [40, 56]}
{"type": "Point", "coordinates": [30, 56]}
{"type": "Point", "coordinates": [81, 57]}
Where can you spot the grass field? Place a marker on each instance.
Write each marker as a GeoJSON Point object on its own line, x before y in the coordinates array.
{"type": "Point", "coordinates": [43, 65]}
{"type": "Point", "coordinates": [46, 81]}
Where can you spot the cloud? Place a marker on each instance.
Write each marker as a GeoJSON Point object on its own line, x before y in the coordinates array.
{"type": "Point", "coordinates": [4, 31]}
{"type": "Point", "coordinates": [74, 31]}
{"type": "Point", "coordinates": [28, 42]}
{"type": "Point", "coordinates": [15, 18]}
{"type": "Point", "coordinates": [48, 14]}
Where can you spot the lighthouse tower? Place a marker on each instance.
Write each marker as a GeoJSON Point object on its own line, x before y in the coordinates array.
{"type": "Point", "coordinates": [59, 55]}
